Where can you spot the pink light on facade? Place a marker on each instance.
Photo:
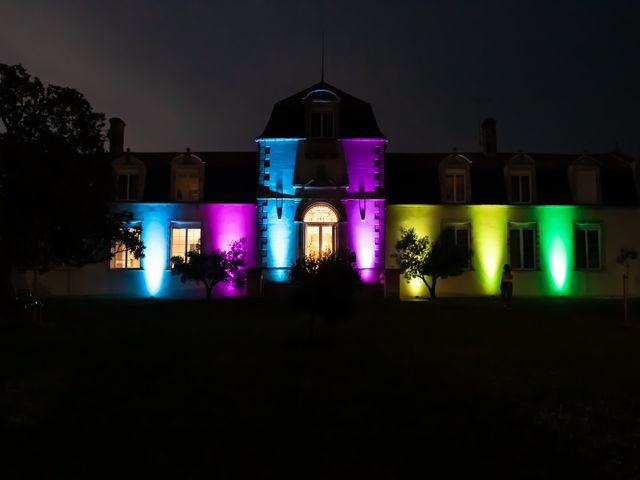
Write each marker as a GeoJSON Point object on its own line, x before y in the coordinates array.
{"type": "Point", "coordinates": [362, 159]}
{"type": "Point", "coordinates": [364, 236]}
{"type": "Point", "coordinates": [225, 223]}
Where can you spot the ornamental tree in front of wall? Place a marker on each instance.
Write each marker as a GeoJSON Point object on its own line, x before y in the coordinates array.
{"type": "Point", "coordinates": [211, 268]}
{"type": "Point", "coordinates": [419, 257]}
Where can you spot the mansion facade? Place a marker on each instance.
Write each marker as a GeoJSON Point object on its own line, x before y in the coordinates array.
{"type": "Point", "coordinates": [322, 180]}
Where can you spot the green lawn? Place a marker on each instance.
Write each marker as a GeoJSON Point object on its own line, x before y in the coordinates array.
{"type": "Point", "coordinates": [236, 389]}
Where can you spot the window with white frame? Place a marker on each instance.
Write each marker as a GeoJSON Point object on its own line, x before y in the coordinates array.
{"type": "Point", "coordinates": [123, 258]}
{"type": "Point", "coordinates": [522, 246]}
{"type": "Point", "coordinates": [455, 188]}
{"type": "Point", "coordinates": [128, 186]}
{"type": "Point", "coordinates": [587, 246]}
{"type": "Point", "coordinates": [185, 238]}
{"type": "Point", "coordinates": [459, 235]}
{"type": "Point", "coordinates": [520, 187]}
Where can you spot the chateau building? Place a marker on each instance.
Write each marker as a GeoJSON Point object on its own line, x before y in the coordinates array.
{"type": "Point", "coordinates": [321, 180]}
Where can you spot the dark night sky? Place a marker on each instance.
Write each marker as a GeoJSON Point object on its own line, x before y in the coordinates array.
{"type": "Point", "coordinates": [562, 75]}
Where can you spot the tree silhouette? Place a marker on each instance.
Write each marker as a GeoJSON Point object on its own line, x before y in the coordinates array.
{"type": "Point", "coordinates": [418, 257]}
{"type": "Point", "coordinates": [213, 267]}
{"type": "Point", "coordinates": [325, 284]}
{"type": "Point", "coordinates": [54, 180]}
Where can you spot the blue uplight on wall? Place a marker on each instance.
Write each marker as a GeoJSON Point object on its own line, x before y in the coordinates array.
{"type": "Point", "coordinates": [155, 235]}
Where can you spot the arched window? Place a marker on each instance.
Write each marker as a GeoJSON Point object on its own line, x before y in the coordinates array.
{"type": "Point", "coordinates": [187, 178]}
{"type": "Point", "coordinates": [319, 230]}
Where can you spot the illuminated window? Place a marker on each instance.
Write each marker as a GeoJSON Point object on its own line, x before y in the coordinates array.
{"type": "Point", "coordinates": [319, 232]}
{"type": "Point", "coordinates": [455, 188]}
{"type": "Point", "coordinates": [322, 124]}
{"type": "Point", "coordinates": [128, 186]}
{"type": "Point", "coordinates": [520, 187]}
{"type": "Point", "coordinates": [587, 246]}
{"type": "Point", "coordinates": [122, 258]}
{"type": "Point", "coordinates": [457, 234]}
{"type": "Point", "coordinates": [522, 246]}
{"type": "Point", "coordinates": [184, 238]}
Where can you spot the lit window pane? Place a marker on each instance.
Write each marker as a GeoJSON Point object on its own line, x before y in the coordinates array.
{"type": "Point", "coordinates": [312, 237]}
{"type": "Point", "coordinates": [193, 239]}
{"type": "Point", "coordinates": [178, 242]}
{"type": "Point", "coordinates": [327, 239]}
{"type": "Point", "coordinates": [132, 261]}
{"type": "Point", "coordinates": [119, 259]}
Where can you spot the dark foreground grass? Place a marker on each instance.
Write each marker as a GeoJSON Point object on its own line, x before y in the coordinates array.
{"type": "Point", "coordinates": [235, 389]}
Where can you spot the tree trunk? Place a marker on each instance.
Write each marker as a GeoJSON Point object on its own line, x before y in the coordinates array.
{"type": "Point", "coordinates": [208, 289]}
{"type": "Point", "coordinates": [432, 288]}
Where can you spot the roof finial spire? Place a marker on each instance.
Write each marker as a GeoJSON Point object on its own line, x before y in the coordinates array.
{"type": "Point", "coordinates": [322, 67]}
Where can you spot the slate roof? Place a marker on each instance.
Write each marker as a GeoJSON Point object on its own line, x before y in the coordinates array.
{"type": "Point", "coordinates": [412, 178]}
{"type": "Point", "coordinates": [356, 116]}
{"type": "Point", "coordinates": [229, 176]}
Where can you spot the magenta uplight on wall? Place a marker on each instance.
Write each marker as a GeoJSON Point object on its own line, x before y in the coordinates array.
{"type": "Point", "coordinates": [362, 158]}
{"type": "Point", "coordinates": [228, 222]}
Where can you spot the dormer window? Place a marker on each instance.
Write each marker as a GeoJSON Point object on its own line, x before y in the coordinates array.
{"type": "Point", "coordinates": [585, 185]}
{"type": "Point", "coordinates": [128, 186]}
{"type": "Point", "coordinates": [520, 177]}
{"type": "Point", "coordinates": [129, 173]}
{"type": "Point", "coordinates": [187, 186]}
{"type": "Point", "coordinates": [455, 186]}
{"type": "Point", "coordinates": [321, 110]}
{"type": "Point", "coordinates": [584, 175]}
{"type": "Point", "coordinates": [322, 124]}
{"type": "Point", "coordinates": [187, 178]}
{"type": "Point", "coordinates": [455, 190]}
{"type": "Point", "coordinates": [520, 187]}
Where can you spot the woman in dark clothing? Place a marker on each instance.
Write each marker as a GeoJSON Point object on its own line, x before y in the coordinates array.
{"type": "Point", "coordinates": [506, 286]}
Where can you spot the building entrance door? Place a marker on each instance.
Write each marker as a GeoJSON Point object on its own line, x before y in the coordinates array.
{"type": "Point", "coordinates": [319, 230]}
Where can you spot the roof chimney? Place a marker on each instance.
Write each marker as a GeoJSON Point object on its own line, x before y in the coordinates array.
{"type": "Point", "coordinates": [488, 137]}
{"type": "Point", "coordinates": [116, 135]}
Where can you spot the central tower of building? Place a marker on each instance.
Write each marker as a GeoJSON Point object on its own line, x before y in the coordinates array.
{"type": "Point", "coordinates": [321, 182]}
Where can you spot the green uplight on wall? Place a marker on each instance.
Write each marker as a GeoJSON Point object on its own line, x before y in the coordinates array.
{"type": "Point", "coordinates": [558, 261]}
{"type": "Point", "coordinates": [556, 246]}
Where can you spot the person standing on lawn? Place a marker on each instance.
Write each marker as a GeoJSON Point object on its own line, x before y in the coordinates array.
{"type": "Point", "coordinates": [506, 286]}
